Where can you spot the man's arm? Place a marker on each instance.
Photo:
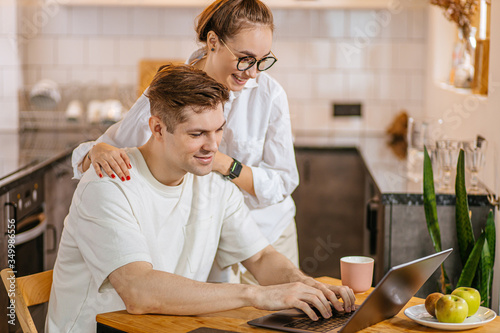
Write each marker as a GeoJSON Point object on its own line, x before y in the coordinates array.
{"type": "Point", "coordinates": [145, 290]}
{"type": "Point", "coordinates": [271, 267]}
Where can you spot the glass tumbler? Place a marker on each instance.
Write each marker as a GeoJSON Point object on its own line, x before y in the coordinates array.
{"type": "Point", "coordinates": [421, 133]}
{"type": "Point", "coordinates": [475, 158]}
{"type": "Point", "coordinates": [447, 155]}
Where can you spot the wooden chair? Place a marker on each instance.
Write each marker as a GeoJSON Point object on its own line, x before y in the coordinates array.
{"type": "Point", "coordinates": [27, 291]}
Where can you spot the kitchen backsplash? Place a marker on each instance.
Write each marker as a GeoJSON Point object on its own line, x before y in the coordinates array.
{"type": "Point", "coordinates": [9, 65]}
{"type": "Point", "coordinates": [370, 56]}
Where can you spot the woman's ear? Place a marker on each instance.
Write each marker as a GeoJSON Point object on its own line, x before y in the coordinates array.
{"type": "Point", "coordinates": [156, 126]}
{"type": "Point", "coordinates": [212, 40]}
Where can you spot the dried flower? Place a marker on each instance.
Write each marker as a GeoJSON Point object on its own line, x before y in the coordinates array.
{"type": "Point", "coordinates": [458, 11]}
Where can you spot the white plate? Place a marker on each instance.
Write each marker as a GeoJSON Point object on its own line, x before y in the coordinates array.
{"type": "Point", "coordinates": [420, 315]}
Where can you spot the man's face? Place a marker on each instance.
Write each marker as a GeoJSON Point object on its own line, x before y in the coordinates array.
{"type": "Point", "coordinates": [193, 144]}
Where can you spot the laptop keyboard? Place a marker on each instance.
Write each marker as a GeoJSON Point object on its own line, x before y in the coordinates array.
{"type": "Point", "coordinates": [322, 324]}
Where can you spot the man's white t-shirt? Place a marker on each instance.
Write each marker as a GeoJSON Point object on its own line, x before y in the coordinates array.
{"type": "Point", "coordinates": [111, 223]}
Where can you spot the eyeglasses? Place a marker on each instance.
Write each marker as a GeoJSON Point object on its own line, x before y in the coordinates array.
{"type": "Point", "coordinates": [247, 62]}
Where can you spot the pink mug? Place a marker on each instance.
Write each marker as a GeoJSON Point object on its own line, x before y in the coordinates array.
{"type": "Point", "coordinates": [357, 272]}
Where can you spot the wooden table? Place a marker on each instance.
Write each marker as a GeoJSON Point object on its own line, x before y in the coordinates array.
{"type": "Point", "coordinates": [236, 320]}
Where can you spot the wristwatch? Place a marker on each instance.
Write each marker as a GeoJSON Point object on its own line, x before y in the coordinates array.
{"type": "Point", "coordinates": [234, 169]}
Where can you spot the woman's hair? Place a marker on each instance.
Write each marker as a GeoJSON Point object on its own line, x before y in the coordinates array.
{"type": "Point", "coordinates": [178, 88]}
{"type": "Point", "coordinates": [228, 17]}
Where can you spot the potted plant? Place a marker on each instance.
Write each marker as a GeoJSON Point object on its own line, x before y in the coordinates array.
{"type": "Point", "coordinates": [477, 256]}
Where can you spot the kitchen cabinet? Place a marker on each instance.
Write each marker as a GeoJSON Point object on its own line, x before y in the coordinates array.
{"type": "Point", "coordinates": [408, 237]}
{"type": "Point", "coordinates": [59, 189]}
{"type": "Point", "coordinates": [330, 208]}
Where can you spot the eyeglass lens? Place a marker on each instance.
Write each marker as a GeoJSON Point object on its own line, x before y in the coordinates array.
{"type": "Point", "coordinates": [262, 65]}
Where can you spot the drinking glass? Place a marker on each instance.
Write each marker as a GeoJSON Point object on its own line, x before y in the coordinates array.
{"type": "Point", "coordinates": [475, 152]}
{"type": "Point", "coordinates": [447, 155]}
{"type": "Point", "coordinates": [421, 133]}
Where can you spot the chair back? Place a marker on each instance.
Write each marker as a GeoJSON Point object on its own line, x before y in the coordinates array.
{"type": "Point", "coordinates": [27, 291]}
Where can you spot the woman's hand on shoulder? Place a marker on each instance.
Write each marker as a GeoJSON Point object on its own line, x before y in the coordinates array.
{"type": "Point", "coordinates": [113, 161]}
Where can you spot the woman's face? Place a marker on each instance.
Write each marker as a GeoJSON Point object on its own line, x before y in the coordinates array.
{"type": "Point", "coordinates": [221, 64]}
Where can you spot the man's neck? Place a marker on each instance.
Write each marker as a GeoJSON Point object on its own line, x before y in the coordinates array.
{"type": "Point", "coordinates": [158, 167]}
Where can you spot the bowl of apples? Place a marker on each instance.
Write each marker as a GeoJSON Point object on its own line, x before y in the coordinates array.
{"type": "Point", "coordinates": [460, 310]}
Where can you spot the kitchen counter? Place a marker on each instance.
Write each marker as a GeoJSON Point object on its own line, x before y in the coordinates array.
{"type": "Point", "coordinates": [388, 171]}
{"type": "Point", "coordinates": [392, 226]}
{"type": "Point", "coordinates": [28, 152]}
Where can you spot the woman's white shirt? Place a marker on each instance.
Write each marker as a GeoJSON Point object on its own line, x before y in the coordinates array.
{"type": "Point", "coordinates": [257, 133]}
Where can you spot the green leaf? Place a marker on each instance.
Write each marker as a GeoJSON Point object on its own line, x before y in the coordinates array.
{"type": "Point", "coordinates": [430, 203]}
{"type": "Point", "coordinates": [432, 219]}
{"type": "Point", "coordinates": [472, 263]}
{"type": "Point", "coordinates": [486, 269]}
{"type": "Point", "coordinates": [491, 234]}
{"type": "Point", "coordinates": [465, 236]}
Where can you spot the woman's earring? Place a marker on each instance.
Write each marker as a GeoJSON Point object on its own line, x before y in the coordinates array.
{"type": "Point", "coordinates": [212, 49]}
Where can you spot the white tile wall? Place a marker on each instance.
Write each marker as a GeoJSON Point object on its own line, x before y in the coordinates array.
{"type": "Point", "coordinates": [362, 85]}
{"type": "Point", "coordinates": [330, 84]}
{"type": "Point", "coordinates": [290, 53]}
{"type": "Point", "coordinates": [87, 21]}
{"type": "Point", "coordinates": [7, 18]}
{"type": "Point", "coordinates": [299, 84]}
{"type": "Point", "coordinates": [57, 20]}
{"type": "Point", "coordinates": [415, 83]}
{"type": "Point", "coordinates": [72, 51]}
{"type": "Point", "coordinates": [153, 17]}
{"type": "Point", "coordinates": [379, 56]}
{"type": "Point", "coordinates": [116, 21]}
{"type": "Point", "coordinates": [131, 50]}
{"type": "Point", "coordinates": [394, 25]}
{"type": "Point", "coordinates": [42, 51]}
{"type": "Point", "coordinates": [165, 48]}
{"type": "Point", "coordinates": [331, 23]}
{"type": "Point", "coordinates": [317, 54]}
{"type": "Point", "coordinates": [374, 57]}
{"type": "Point", "coordinates": [9, 66]}
{"type": "Point", "coordinates": [179, 22]}
{"type": "Point", "coordinates": [9, 54]}
{"type": "Point", "coordinates": [59, 74]}
{"type": "Point", "coordinates": [102, 51]}
{"type": "Point", "coordinates": [392, 86]}
{"type": "Point", "coordinates": [349, 54]}
{"type": "Point", "coordinates": [409, 55]}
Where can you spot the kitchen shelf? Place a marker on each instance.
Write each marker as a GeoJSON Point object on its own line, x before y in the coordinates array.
{"type": "Point", "coordinates": [460, 91]}
{"type": "Point", "coordinates": [298, 4]}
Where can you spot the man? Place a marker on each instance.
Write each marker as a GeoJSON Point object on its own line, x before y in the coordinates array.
{"type": "Point", "coordinates": [147, 245]}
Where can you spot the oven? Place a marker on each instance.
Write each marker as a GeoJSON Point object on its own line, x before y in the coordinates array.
{"type": "Point", "coordinates": [24, 234]}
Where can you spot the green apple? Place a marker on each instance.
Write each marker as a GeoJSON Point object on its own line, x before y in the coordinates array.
{"type": "Point", "coordinates": [471, 296]}
{"type": "Point", "coordinates": [451, 309]}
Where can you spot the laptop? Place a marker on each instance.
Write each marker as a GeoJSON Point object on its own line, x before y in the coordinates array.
{"type": "Point", "coordinates": [391, 294]}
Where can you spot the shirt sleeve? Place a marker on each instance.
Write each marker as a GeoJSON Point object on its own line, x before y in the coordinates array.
{"type": "Point", "coordinates": [276, 176]}
{"type": "Point", "coordinates": [132, 131]}
{"type": "Point", "coordinates": [240, 238]}
{"type": "Point", "coordinates": [107, 235]}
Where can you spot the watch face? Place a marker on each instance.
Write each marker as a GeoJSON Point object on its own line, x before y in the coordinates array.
{"type": "Point", "coordinates": [235, 169]}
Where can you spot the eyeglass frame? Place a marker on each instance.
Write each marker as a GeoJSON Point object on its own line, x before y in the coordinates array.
{"type": "Point", "coordinates": [258, 62]}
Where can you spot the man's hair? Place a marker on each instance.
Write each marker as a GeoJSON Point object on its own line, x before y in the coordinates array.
{"type": "Point", "coordinates": [178, 88]}
{"type": "Point", "coordinates": [228, 17]}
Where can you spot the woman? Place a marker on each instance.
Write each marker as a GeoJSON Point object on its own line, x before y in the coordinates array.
{"type": "Point", "coordinates": [237, 38]}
